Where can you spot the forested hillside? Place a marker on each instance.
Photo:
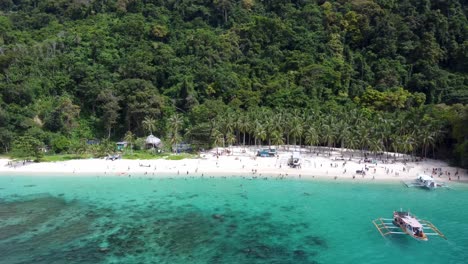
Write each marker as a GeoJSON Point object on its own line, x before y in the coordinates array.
{"type": "Point", "coordinates": [394, 72]}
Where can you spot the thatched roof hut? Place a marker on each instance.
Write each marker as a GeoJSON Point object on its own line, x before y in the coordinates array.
{"type": "Point", "coordinates": [152, 142]}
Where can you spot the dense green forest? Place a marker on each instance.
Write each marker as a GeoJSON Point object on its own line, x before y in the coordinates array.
{"type": "Point", "coordinates": [372, 75]}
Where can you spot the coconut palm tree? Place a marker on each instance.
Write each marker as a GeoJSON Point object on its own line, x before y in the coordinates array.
{"type": "Point", "coordinates": [375, 145]}
{"type": "Point", "coordinates": [130, 138]}
{"type": "Point", "coordinates": [230, 139]}
{"type": "Point", "coordinates": [426, 139]}
{"type": "Point", "coordinates": [438, 132]}
{"type": "Point", "coordinates": [277, 138]}
{"type": "Point", "coordinates": [364, 134]}
{"type": "Point", "coordinates": [311, 137]}
{"type": "Point", "coordinates": [218, 139]}
{"type": "Point", "coordinates": [243, 125]}
{"type": "Point", "coordinates": [328, 136]}
{"type": "Point", "coordinates": [297, 129]}
{"type": "Point", "coordinates": [229, 123]}
{"type": "Point", "coordinates": [175, 123]}
{"type": "Point", "coordinates": [286, 125]}
{"type": "Point", "coordinates": [408, 143]}
{"type": "Point", "coordinates": [381, 132]}
{"type": "Point", "coordinates": [251, 125]}
{"type": "Point", "coordinates": [149, 124]}
{"type": "Point", "coordinates": [260, 132]}
{"type": "Point", "coordinates": [268, 124]}
{"type": "Point", "coordinates": [353, 140]}
{"type": "Point", "coordinates": [344, 135]}
{"type": "Point", "coordinates": [396, 143]}
{"type": "Point", "coordinates": [277, 125]}
{"type": "Point", "coordinates": [175, 139]}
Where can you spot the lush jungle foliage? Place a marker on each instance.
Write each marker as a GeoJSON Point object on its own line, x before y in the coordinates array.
{"type": "Point", "coordinates": [366, 74]}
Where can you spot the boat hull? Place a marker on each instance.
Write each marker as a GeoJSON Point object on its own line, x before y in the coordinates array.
{"type": "Point", "coordinates": [402, 224]}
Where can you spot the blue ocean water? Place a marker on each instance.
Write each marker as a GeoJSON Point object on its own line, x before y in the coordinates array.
{"type": "Point", "coordinates": [143, 220]}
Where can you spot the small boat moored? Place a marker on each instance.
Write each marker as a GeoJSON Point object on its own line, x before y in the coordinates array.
{"type": "Point", "coordinates": [425, 181]}
{"type": "Point", "coordinates": [408, 224]}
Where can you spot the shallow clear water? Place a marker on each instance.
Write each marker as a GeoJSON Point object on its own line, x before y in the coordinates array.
{"type": "Point", "coordinates": [138, 220]}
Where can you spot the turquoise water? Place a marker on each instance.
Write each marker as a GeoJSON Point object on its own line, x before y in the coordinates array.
{"type": "Point", "coordinates": [141, 220]}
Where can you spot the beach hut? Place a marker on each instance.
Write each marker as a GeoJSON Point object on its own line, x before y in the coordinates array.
{"type": "Point", "coordinates": [121, 145]}
{"type": "Point", "coordinates": [93, 141]}
{"type": "Point", "coordinates": [182, 147]}
{"type": "Point", "coordinates": [152, 142]}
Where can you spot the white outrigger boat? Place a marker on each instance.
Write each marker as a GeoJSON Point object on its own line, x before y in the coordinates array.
{"type": "Point", "coordinates": [405, 224]}
{"type": "Point", "coordinates": [426, 181]}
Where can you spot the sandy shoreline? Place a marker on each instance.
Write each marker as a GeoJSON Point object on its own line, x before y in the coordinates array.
{"type": "Point", "coordinates": [243, 163]}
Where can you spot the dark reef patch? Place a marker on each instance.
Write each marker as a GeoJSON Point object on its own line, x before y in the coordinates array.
{"type": "Point", "coordinates": [46, 229]}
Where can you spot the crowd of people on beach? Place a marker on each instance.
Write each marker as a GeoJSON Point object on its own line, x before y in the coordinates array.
{"type": "Point", "coordinates": [15, 164]}
{"type": "Point", "coordinates": [247, 163]}
{"type": "Point", "coordinates": [440, 172]}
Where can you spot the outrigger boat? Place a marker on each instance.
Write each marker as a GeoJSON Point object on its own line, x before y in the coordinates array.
{"type": "Point", "coordinates": [425, 181]}
{"type": "Point", "coordinates": [408, 225]}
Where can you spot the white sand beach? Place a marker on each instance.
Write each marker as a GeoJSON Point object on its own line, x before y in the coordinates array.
{"type": "Point", "coordinates": [334, 165]}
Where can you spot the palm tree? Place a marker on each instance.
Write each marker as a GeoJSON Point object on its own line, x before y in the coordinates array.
{"type": "Point", "coordinates": [311, 137]}
{"type": "Point", "coordinates": [276, 138]}
{"type": "Point", "coordinates": [328, 136]}
{"type": "Point", "coordinates": [276, 125]}
{"type": "Point", "coordinates": [230, 139]}
{"type": "Point", "coordinates": [297, 130]}
{"type": "Point", "coordinates": [375, 145]}
{"type": "Point", "coordinates": [105, 147]}
{"type": "Point", "coordinates": [229, 123]}
{"type": "Point", "coordinates": [426, 139]}
{"type": "Point", "coordinates": [344, 135]}
{"type": "Point", "coordinates": [364, 134]}
{"type": "Point", "coordinates": [243, 126]}
{"type": "Point", "coordinates": [188, 133]}
{"type": "Point", "coordinates": [130, 138]}
{"type": "Point", "coordinates": [396, 143]}
{"type": "Point", "coordinates": [353, 140]}
{"type": "Point", "coordinates": [252, 118]}
{"type": "Point", "coordinates": [175, 139]}
{"type": "Point", "coordinates": [260, 132]}
{"type": "Point", "coordinates": [286, 125]}
{"type": "Point", "coordinates": [408, 143]}
{"type": "Point", "coordinates": [218, 139]}
{"type": "Point", "coordinates": [271, 125]}
{"type": "Point", "coordinates": [175, 122]}
{"type": "Point", "coordinates": [438, 132]}
{"type": "Point", "coordinates": [149, 124]}
{"type": "Point", "coordinates": [382, 132]}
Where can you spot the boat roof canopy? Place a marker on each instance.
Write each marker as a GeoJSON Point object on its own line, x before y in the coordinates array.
{"type": "Point", "coordinates": [413, 222]}
{"type": "Point", "coordinates": [425, 177]}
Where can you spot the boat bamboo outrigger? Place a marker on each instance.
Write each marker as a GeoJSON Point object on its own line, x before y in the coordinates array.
{"type": "Point", "coordinates": [426, 181]}
{"type": "Point", "coordinates": [405, 224]}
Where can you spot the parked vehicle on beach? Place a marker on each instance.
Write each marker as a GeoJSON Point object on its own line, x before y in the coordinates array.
{"type": "Point", "coordinates": [295, 160]}
{"type": "Point", "coordinates": [113, 157]}
{"type": "Point", "coordinates": [266, 152]}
